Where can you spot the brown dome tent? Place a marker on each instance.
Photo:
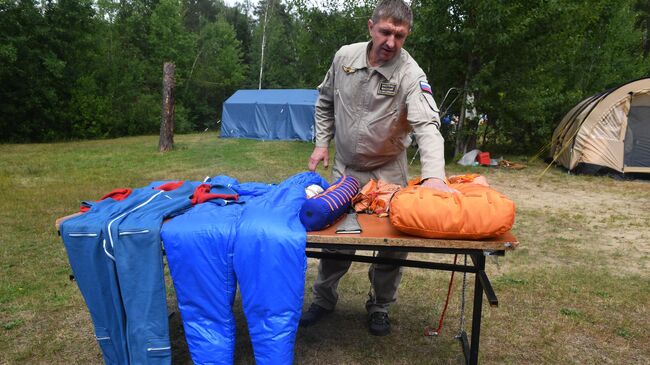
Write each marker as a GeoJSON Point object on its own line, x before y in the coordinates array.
{"type": "Point", "coordinates": [607, 130]}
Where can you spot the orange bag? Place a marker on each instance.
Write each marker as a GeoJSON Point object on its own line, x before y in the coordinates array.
{"type": "Point", "coordinates": [476, 212]}
{"type": "Point", "coordinates": [375, 197]}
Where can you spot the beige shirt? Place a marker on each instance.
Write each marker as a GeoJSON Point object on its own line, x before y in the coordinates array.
{"type": "Point", "coordinates": [370, 111]}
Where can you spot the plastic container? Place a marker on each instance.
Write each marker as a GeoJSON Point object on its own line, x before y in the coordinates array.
{"type": "Point", "coordinates": [484, 158]}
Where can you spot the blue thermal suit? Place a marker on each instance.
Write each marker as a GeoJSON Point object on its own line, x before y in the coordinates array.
{"type": "Point", "coordinates": [116, 256]}
{"type": "Point", "coordinates": [261, 246]}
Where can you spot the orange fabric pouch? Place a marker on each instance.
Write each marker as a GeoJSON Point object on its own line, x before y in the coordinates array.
{"type": "Point", "coordinates": [375, 197]}
{"type": "Point", "coordinates": [475, 212]}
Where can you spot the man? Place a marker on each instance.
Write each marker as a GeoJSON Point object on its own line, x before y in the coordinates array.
{"type": "Point", "coordinates": [373, 94]}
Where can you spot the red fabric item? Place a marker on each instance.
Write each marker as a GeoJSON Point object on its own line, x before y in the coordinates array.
{"type": "Point", "coordinates": [484, 158]}
{"type": "Point", "coordinates": [116, 194]}
{"type": "Point", "coordinates": [202, 194]}
{"type": "Point", "coordinates": [173, 185]}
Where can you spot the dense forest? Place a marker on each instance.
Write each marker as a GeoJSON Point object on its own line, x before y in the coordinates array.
{"type": "Point", "coordinates": [78, 69]}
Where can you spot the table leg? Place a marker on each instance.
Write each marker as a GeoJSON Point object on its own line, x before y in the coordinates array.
{"type": "Point", "coordinates": [479, 261]}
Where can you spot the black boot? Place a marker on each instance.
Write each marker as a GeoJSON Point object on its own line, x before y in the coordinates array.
{"type": "Point", "coordinates": [379, 325]}
{"type": "Point", "coordinates": [314, 314]}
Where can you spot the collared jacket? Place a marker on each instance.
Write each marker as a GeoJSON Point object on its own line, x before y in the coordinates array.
{"type": "Point", "coordinates": [369, 111]}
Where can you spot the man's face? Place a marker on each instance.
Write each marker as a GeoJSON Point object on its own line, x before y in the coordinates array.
{"type": "Point", "coordinates": [387, 40]}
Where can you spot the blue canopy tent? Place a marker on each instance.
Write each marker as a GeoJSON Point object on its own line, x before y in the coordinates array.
{"type": "Point", "coordinates": [270, 114]}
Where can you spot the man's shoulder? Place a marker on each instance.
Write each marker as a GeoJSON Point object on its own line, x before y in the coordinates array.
{"type": "Point", "coordinates": [352, 50]}
{"type": "Point", "coordinates": [408, 61]}
{"type": "Point", "coordinates": [410, 68]}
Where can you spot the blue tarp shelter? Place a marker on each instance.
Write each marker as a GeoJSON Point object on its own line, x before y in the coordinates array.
{"type": "Point", "coordinates": [270, 114]}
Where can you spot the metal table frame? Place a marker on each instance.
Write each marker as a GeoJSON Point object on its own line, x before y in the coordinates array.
{"type": "Point", "coordinates": [481, 281]}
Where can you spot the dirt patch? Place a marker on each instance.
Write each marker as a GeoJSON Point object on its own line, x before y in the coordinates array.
{"type": "Point", "coordinates": [585, 216]}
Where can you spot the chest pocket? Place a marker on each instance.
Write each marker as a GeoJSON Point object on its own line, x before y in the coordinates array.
{"type": "Point", "coordinates": [382, 137]}
{"type": "Point", "coordinates": [350, 90]}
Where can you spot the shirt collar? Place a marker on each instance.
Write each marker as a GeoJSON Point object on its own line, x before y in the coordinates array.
{"type": "Point", "coordinates": [388, 68]}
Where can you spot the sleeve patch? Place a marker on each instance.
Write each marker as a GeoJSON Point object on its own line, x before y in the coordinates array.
{"type": "Point", "coordinates": [425, 87]}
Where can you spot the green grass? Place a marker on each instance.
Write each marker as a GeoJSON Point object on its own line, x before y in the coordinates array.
{"type": "Point", "coordinates": [575, 291]}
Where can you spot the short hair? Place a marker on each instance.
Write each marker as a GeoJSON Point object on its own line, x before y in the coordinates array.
{"type": "Point", "coordinates": [396, 10]}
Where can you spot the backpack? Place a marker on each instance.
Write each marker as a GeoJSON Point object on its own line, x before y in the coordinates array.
{"type": "Point", "coordinates": [475, 212]}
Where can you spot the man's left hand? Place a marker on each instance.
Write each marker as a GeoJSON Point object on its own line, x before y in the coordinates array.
{"type": "Point", "coordinates": [437, 184]}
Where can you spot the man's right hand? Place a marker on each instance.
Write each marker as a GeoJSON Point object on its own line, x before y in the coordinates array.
{"type": "Point", "coordinates": [438, 184]}
{"type": "Point", "coordinates": [319, 154]}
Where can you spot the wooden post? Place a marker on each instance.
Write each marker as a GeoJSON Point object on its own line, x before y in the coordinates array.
{"type": "Point", "coordinates": [166, 142]}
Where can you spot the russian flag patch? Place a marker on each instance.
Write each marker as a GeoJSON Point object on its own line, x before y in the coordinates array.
{"type": "Point", "coordinates": [424, 86]}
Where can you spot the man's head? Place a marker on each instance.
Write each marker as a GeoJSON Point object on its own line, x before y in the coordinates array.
{"type": "Point", "coordinates": [389, 26]}
{"type": "Point", "coordinates": [395, 10]}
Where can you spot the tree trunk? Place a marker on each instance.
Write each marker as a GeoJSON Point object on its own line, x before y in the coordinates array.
{"type": "Point", "coordinates": [166, 142]}
{"type": "Point", "coordinates": [266, 13]}
{"type": "Point", "coordinates": [646, 39]}
{"type": "Point", "coordinates": [485, 133]}
{"type": "Point", "coordinates": [465, 128]}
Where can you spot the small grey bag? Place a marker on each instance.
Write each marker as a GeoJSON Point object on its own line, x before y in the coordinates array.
{"type": "Point", "coordinates": [349, 225]}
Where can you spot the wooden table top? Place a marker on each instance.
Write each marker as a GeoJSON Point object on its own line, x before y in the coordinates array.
{"type": "Point", "coordinates": [379, 231]}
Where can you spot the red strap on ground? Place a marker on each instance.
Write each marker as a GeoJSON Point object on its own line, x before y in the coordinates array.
{"type": "Point", "coordinates": [436, 332]}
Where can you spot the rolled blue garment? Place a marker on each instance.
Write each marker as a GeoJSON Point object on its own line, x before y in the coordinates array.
{"type": "Point", "coordinates": [322, 210]}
